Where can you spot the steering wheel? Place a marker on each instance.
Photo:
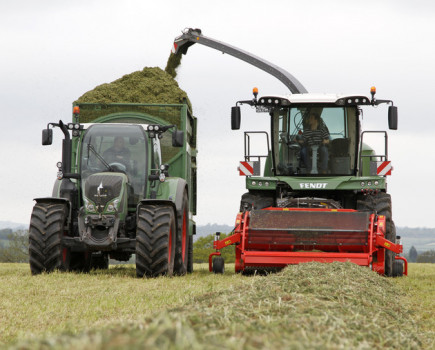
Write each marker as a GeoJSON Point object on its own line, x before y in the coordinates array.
{"type": "Point", "coordinates": [119, 167]}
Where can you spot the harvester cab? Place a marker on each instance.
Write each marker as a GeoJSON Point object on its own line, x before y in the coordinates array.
{"type": "Point", "coordinates": [115, 195]}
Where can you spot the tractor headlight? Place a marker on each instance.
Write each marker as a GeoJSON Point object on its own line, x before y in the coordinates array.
{"type": "Point", "coordinates": [90, 207]}
{"type": "Point", "coordinates": [112, 206]}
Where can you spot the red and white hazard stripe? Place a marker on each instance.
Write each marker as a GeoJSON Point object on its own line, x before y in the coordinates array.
{"type": "Point", "coordinates": [174, 48]}
{"type": "Point", "coordinates": [384, 168]}
{"type": "Point", "coordinates": [246, 168]}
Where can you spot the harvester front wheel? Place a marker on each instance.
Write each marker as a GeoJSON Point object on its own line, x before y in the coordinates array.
{"type": "Point", "coordinates": [182, 247]}
{"type": "Point", "coordinates": [155, 241]}
{"type": "Point", "coordinates": [381, 205]}
{"type": "Point", "coordinates": [47, 227]}
{"type": "Point", "coordinates": [218, 265]}
{"type": "Point", "coordinates": [251, 200]}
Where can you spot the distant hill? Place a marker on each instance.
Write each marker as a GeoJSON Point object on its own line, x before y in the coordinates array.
{"type": "Point", "coordinates": [422, 239]}
{"type": "Point", "coordinates": [12, 225]}
{"type": "Point", "coordinates": [205, 230]}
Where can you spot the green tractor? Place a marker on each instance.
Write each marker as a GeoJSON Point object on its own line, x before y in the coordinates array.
{"type": "Point", "coordinates": [126, 185]}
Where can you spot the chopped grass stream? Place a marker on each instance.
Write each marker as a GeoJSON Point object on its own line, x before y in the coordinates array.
{"type": "Point", "coordinates": [317, 306]}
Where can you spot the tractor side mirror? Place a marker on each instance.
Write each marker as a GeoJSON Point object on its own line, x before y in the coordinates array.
{"type": "Point", "coordinates": [392, 117]}
{"type": "Point", "coordinates": [47, 137]}
{"type": "Point", "coordinates": [177, 138]}
{"type": "Point", "coordinates": [235, 118]}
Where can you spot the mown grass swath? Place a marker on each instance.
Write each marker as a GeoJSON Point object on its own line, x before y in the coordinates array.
{"type": "Point", "coordinates": [305, 306]}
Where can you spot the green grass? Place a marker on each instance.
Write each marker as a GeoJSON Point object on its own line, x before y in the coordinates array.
{"type": "Point", "coordinates": [35, 306]}
{"type": "Point", "coordinates": [318, 306]}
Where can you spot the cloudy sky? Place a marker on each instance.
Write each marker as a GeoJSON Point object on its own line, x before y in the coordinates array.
{"type": "Point", "coordinates": [53, 51]}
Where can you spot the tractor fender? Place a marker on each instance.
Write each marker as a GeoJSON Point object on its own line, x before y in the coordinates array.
{"type": "Point", "coordinates": [52, 200]}
{"type": "Point", "coordinates": [173, 189]}
{"type": "Point", "coordinates": [170, 192]}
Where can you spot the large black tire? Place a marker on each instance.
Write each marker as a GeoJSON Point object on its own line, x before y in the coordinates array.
{"type": "Point", "coordinates": [155, 240]}
{"type": "Point", "coordinates": [380, 204]}
{"type": "Point", "coordinates": [80, 262]}
{"type": "Point", "coordinates": [190, 257]}
{"type": "Point", "coordinates": [398, 268]}
{"type": "Point", "coordinates": [100, 262]}
{"type": "Point", "coordinates": [47, 227]}
{"type": "Point", "coordinates": [182, 247]}
{"type": "Point", "coordinates": [218, 265]}
{"type": "Point", "coordinates": [252, 200]}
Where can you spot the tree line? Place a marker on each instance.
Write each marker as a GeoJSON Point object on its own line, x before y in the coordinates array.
{"type": "Point", "coordinates": [14, 247]}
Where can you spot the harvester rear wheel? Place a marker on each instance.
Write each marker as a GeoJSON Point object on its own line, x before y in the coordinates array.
{"type": "Point", "coordinates": [47, 226]}
{"type": "Point", "coordinates": [182, 247]}
{"type": "Point", "coordinates": [155, 241]}
{"type": "Point", "coordinates": [381, 205]}
{"type": "Point", "coordinates": [218, 265]}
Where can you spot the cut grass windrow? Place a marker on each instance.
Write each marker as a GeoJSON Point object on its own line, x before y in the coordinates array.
{"type": "Point", "coordinates": [317, 306]}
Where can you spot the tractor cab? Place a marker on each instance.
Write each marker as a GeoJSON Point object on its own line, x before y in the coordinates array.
{"type": "Point", "coordinates": [119, 151]}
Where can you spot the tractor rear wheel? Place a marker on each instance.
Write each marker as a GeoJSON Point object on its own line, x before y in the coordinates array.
{"type": "Point", "coordinates": [47, 227]}
{"type": "Point", "coordinates": [380, 204]}
{"type": "Point", "coordinates": [155, 240]}
{"type": "Point", "coordinates": [182, 247]}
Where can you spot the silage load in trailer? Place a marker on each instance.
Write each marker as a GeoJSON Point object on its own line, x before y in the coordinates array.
{"type": "Point", "coordinates": [150, 85]}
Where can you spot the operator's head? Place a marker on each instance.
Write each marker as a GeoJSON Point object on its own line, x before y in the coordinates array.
{"type": "Point", "coordinates": [118, 143]}
{"type": "Point", "coordinates": [314, 117]}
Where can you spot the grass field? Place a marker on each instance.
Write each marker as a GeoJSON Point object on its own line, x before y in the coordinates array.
{"type": "Point", "coordinates": [306, 306]}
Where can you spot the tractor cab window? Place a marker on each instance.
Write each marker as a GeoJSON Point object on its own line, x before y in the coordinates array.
{"type": "Point", "coordinates": [118, 148]}
{"type": "Point", "coordinates": [315, 140]}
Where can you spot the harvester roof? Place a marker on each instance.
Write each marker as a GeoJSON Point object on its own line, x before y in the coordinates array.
{"type": "Point", "coordinates": [309, 98]}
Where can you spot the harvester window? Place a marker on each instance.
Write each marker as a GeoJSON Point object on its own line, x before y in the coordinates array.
{"type": "Point", "coordinates": [316, 140]}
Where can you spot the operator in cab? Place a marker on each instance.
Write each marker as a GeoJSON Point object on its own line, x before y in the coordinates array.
{"type": "Point", "coordinates": [314, 138]}
{"type": "Point", "coordinates": [118, 153]}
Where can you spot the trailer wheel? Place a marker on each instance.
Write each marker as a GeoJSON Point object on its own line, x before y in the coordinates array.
{"type": "Point", "coordinates": [190, 257]}
{"type": "Point", "coordinates": [381, 205]}
{"type": "Point", "coordinates": [80, 262]}
{"type": "Point", "coordinates": [155, 240]}
{"type": "Point", "coordinates": [182, 247]}
{"type": "Point", "coordinates": [218, 265]}
{"type": "Point", "coordinates": [99, 262]}
{"type": "Point", "coordinates": [47, 225]}
{"type": "Point", "coordinates": [398, 268]}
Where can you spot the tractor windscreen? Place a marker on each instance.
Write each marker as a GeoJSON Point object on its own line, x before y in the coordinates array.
{"type": "Point", "coordinates": [315, 140]}
{"type": "Point", "coordinates": [115, 148]}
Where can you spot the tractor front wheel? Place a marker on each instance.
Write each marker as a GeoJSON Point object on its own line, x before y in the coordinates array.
{"type": "Point", "coordinates": [47, 227]}
{"type": "Point", "coordinates": [155, 240]}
